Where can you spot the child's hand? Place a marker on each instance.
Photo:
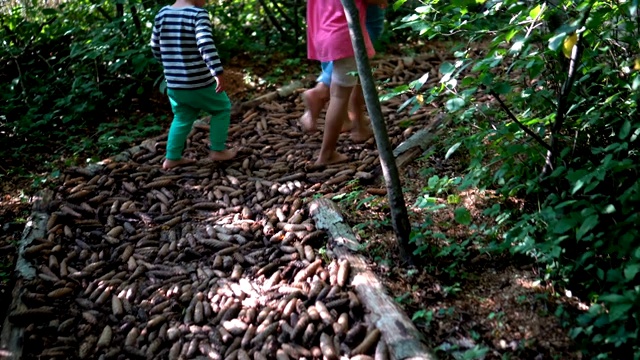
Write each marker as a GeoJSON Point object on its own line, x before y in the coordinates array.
{"type": "Point", "coordinates": [219, 83]}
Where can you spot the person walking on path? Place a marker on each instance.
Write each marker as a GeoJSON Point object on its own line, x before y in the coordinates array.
{"type": "Point", "coordinates": [182, 41]}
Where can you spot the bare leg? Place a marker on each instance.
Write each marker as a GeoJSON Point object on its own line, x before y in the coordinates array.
{"type": "Point", "coordinates": [314, 101]}
{"type": "Point", "coordinates": [223, 155]}
{"type": "Point", "coordinates": [170, 164]}
{"type": "Point", "coordinates": [361, 131]}
{"type": "Point", "coordinates": [337, 114]}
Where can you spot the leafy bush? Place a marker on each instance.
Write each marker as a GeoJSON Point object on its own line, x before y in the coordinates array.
{"type": "Point", "coordinates": [558, 127]}
{"type": "Point", "coordinates": [66, 70]}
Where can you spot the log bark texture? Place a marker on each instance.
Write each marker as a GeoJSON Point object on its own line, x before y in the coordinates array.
{"type": "Point", "coordinates": [402, 338]}
{"type": "Point", "coordinates": [279, 93]}
{"type": "Point", "coordinates": [11, 338]}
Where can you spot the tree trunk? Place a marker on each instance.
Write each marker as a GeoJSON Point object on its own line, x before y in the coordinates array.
{"type": "Point", "coordinates": [399, 217]}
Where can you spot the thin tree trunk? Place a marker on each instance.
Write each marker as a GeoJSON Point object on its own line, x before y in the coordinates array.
{"type": "Point", "coordinates": [563, 100]}
{"type": "Point", "coordinates": [399, 216]}
{"type": "Point", "coordinates": [273, 20]}
{"type": "Point", "coordinates": [136, 18]}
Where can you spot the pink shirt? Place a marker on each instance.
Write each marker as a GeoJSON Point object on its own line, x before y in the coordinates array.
{"type": "Point", "coordinates": [328, 36]}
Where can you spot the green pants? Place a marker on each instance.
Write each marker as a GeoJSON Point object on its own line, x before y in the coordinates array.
{"type": "Point", "coordinates": [186, 106]}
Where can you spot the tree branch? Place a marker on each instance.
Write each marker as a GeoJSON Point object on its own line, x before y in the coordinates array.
{"type": "Point", "coordinates": [535, 136]}
{"type": "Point", "coordinates": [563, 96]}
{"type": "Point", "coordinates": [273, 19]}
{"type": "Point", "coordinates": [397, 205]}
{"type": "Point", "coordinates": [136, 19]}
{"type": "Point", "coordinates": [282, 13]}
{"type": "Point", "coordinates": [104, 13]}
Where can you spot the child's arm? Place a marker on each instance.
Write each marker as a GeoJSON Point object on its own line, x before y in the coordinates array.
{"type": "Point", "coordinates": [207, 48]}
{"type": "Point", "coordinates": [155, 42]}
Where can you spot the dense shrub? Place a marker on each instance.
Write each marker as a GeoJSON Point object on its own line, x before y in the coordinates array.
{"type": "Point", "coordinates": [563, 137]}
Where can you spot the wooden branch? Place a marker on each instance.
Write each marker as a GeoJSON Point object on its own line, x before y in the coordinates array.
{"type": "Point", "coordinates": [104, 13]}
{"type": "Point", "coordinates": [395, 196]}
{"type": "Point", "coordinates": [136, 19]}
{"type": "Point", "coordinates": [273, 19]}
{"type": "Point", "coordinates": [279, 93]}
{"type": "Point", "coordinates": [12, 336]}
{"type": "Point", "coordinates": [522, 126]}
{"type": "Point", "coordinates": [423, 137]}
{"type": "Point", "coordinates": [282, 13]}
{"type": "Point", "coordinates": [563, 97]}
{"type": "Point", "coordinates": [402, 338]}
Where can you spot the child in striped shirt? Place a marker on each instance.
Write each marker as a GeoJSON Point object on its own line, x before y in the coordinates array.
{"type": "Point", "coordinates": [182, 41]}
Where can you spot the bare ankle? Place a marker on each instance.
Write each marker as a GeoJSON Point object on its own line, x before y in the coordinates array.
{"type": "Point", "coordinates": [223, 155]}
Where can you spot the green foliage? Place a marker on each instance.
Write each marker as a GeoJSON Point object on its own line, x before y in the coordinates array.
{"type": "Point", "coordinates": [81, 74]}
{"type": "Point", "coordinates": [580, 210]}
{"type": "Point", "coordinates": [66, 66]}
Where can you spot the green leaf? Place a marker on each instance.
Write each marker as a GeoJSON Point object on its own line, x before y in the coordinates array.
{"type": "Point", "coordinates": [588, 224]}
{"type": "Point", "coordinates": [398, 90]}
{"type": "Point", "coordinates": [398, 3]}
{"type": "Point", "coordinates": [534, 12]}
{"type": "Point", "coordinates": [502, 88]}
{"type": "Point", "coordinates": [417, 84]}
{"type": "Point", "coordinates": [556, 41]}
{"type": "Point", "coordinates": [452, 150]}
{"type": "Point", "coordinates": [563, 226]}
{"type": "Point", "coordinates": [618, 311]}
{"type": "Point", "coordinates": [614, 298]}
{"type": "Point", "coordinates": [446, 68]}
{"type": "Point", "coordinates": [486, 79]}
{"type": "Point", "coordinates": [433, 181]}
{"type": "Point", "coordinates": [462, 216]}
{"type": "Point", "coordinates": [631, 271]}
{"type": "Point", "coordinates": [454, 104]}
{"type": "Point", "coordinates": [625, 130]}
{"type": "Point", "coordinates": [577, 186]}
{"type": "Point", "coordinates": [49, 11]}
{"type": "Point", "coordinates": [636, 83]}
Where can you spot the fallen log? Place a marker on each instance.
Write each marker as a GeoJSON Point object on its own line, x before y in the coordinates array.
{"type": "Point", "coordinates": [402, 338]}
{"type": "Point", "coordinates": [11, 338]}
{"type": "Point", "coordinates": [281, 92]}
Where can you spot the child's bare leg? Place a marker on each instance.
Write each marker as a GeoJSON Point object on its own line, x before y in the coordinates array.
{"type": "Point", "coordinates": [314, 100]}
{"type": "Point", "coordinates": [360, 131]}
{"type": "Point", "coordinates": [337, 114]}
{"type": "Point", "coordinates": [223, 155]}
{"type": "Point", "coordinates": [170, 164]}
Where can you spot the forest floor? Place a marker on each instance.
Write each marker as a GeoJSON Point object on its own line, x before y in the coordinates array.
{"type": "Point", "coordinates": [489, 307]}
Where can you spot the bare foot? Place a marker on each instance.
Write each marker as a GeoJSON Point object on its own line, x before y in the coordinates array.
{"type": "Point", "coordinates": [361, 135]}
{"type": "Point", "coordinates": [347, 126]}
{"type": "Point", "coordinates": [223, 155]}
{"type": "Point", "coordinates": [307, 123]}
{"type": "Point", "coordinates": [334, 158]}
{"type": "Point", "coordinates": [313, 102]}
{"type": "Point", "coordinates": [170, 164]}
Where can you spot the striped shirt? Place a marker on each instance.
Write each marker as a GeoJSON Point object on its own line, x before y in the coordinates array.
{"type": "Point", "coordinates": [182, 41]}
